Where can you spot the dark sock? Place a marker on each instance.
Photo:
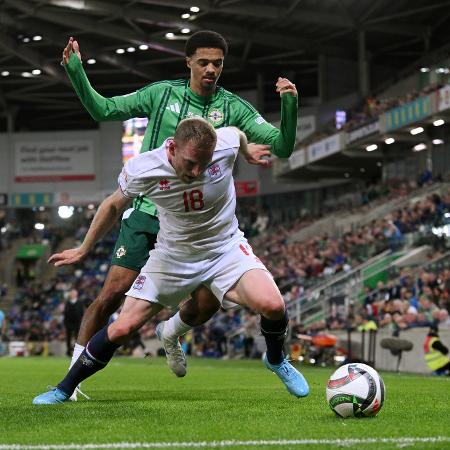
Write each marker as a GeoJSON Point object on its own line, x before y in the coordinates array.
{"type": "Point", "coordinates": [95, 356]}
{"type": "Point", "coordinates": [274, 332]}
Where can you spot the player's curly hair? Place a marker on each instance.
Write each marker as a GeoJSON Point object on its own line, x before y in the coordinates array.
{"type": "Point", "coordinates": [205, 39]}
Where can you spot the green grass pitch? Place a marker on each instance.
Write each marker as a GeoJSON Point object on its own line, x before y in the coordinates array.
{"type": "Point", "coordinates": [229, 404]}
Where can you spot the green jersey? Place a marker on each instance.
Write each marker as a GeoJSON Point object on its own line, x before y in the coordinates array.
{"type": "Point", "coordinates": [166, 103]}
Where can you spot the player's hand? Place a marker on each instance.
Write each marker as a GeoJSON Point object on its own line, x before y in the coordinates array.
{"type": "Point", "coordinates": [67, 257]}
{"type": "Point", "coordinates": [255, 154]}
{"type": "Point", "coordinates": [284, 86]}
{"type": "Point", "coordinates": [72, 46]}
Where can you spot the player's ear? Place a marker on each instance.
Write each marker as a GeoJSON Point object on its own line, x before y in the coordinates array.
{"type": "Point", "coordinates": [172, 147]}
{"type": "Point", "coordinates": [188, 62]}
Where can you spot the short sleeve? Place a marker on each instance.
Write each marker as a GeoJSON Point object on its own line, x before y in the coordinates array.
{"type": "Point", "coordinates": [137, 176]}
{"type": "Point", "coordinates": [228, 138]}
{"type": "Point", "coordinates": [127, 184]}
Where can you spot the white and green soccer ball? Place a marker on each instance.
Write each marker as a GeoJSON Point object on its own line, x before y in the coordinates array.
{"type": "Point", "coordinates": [355, 390]}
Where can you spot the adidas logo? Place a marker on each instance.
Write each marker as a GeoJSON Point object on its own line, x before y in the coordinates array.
{"type": "Point", "coordinates": [174, 108]}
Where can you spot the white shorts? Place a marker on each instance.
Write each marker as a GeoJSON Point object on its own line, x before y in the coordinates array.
{"type": "Point", "coordinates": [167, 281]}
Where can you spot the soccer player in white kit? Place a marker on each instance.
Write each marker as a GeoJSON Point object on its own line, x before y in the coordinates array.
{"type": "Point", "coordinates": [189, 178]}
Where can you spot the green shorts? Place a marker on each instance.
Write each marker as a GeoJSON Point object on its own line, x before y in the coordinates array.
{"type": "Point", "coordinates": [136, 238]}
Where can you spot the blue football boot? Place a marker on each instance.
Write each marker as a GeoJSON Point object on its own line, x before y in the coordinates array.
{"type": "Point", "coordinates": [52, 397]}
{"type": "Point", "coordinates": [293, 380]}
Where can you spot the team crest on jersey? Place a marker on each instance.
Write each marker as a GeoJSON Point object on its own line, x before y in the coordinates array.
{"type": "Point", "coordinates": [215, 116]}
{"type": "Point", "coordinates": [164, 185]}
{"type": "Point", "coordinates": [121, 251]}
{"type": "Point", "coordinates": [214, 171]}
{"type": "Point", "coordinates": [139, 282]}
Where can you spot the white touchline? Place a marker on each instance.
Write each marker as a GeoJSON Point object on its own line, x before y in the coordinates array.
{"type": "Point", "coordinates": [218, 444]}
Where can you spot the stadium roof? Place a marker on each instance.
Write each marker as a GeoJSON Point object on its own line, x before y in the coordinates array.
{"type": "Point", "coordinates": [270, 38]}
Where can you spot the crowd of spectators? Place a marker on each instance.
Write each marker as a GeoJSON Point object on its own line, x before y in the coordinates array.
{"type": "Point", "coordinates": [412, 300]}
{"type": "Point", "coordinates": [367, 111]}
{"type": "Point", "coordinates": [37, 313]}
{"type": "Point", "coordinates": [296, 265]}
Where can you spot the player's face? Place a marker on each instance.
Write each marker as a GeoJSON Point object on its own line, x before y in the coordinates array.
{"type": "Point", "coordinates": [189, 161]}
{"type": "Point", "coordinates": [206, 66]}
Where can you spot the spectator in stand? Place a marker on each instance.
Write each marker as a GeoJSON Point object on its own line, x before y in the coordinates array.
{"type": "Point", "coordinates": [73, 313]}
{"type": "Point", "coordinates": [436, 353]}
{"type": "Point", "coordinates": [443, 319]}
{"type": "Point", "coordinates": [425, 178]}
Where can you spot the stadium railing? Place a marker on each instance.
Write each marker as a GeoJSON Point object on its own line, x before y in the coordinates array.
{"type": "Point", "coordinates": [345, 288]}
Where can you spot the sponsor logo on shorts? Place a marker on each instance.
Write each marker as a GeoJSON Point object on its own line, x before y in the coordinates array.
{"type": "Point", "coordinates": [215, 116]}
{"type": "Point", "coordinates": [139, 283]}
{"type": "Point", "coordinates": [259, 120]}
{"type": "Point", "coordinates": [214, 171]}
{"type": "Point", "coordinates": [164, 185]}
{"type": "Point", "coordinates": [121, 251]}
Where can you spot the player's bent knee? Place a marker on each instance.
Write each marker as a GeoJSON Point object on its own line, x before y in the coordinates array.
{"type": "Point", "coordinates": [272, 308]}
{"type": "Point", "coordinates": [120, 330]}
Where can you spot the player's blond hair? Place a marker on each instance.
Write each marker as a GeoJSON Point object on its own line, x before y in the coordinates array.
{"type": "Point", "coordinates": [198, 131]}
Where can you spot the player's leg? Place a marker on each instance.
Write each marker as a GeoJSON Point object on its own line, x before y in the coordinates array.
{"type": "Point", "coordinates": [195, 311]}
{"type": "Point", "coordinates": [100, 349]}
{"type": "Point", "coordinates": [137, 237]}
{"type": "Point", "coordinates": [96, 316]}
{"type": "Point", "coordinates": [257, 290]}
{"type": "Point", "coordinates": [199, 308]}
{"type": "Point", "coordinates": [117, 282]}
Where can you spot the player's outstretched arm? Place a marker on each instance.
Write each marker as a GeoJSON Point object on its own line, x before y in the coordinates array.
{"type": "Point", "coordinates": [107, 214]}
{"type": "Point", "coordinates": [282, 140]}
{"type": "Point", "coordinates": [101, 108]}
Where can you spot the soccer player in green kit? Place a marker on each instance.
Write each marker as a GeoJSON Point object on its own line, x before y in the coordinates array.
{"type": "Point", "coordinates": [166, 103]}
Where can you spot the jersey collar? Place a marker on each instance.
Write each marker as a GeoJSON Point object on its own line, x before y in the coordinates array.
{"type": "Point", "coordinates": [200, 98]}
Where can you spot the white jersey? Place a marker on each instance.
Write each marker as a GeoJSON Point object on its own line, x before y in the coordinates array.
{"type": "Point", "coordinates": [197, 218]}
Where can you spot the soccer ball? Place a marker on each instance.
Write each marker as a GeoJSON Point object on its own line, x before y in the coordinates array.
{"type": "Point", "coordinates": [355, 390]}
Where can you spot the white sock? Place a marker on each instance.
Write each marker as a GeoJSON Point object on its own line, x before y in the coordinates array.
{"type": "Point", "coordinates": [175, 327]}
{"type": "Point", "coordinates": [77, 350]}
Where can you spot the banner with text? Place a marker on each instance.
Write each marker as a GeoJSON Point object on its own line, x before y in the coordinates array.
{"type": "Point", "coordinates": [362, 132]}
{"type": "Point", "coordinates": [411, 112]}
{"type": "Point", "coordinates": [54, 161]}
{"type": "Point", "coordinates": [325, 147]}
